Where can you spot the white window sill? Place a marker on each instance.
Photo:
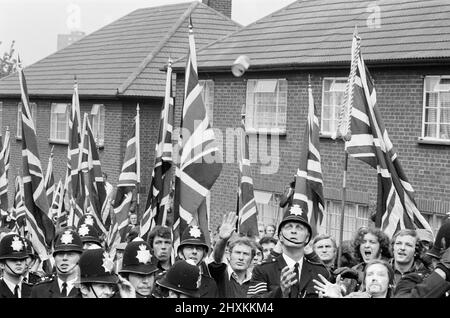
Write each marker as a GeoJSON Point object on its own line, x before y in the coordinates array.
{"type": "Point", "coordinates": [433, 141]}
{"type": "Point", "coordinates": [58, 142]}
{"type": "Point", "coordinates": [19, 138]}
{"type": "Point", "coordinates": [264, 131]}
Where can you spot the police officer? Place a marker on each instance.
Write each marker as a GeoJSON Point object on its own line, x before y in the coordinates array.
{"type": "Point", "coordinates": [138, 268]}
{"type": "Point", "coordinates": [13, 257]}
{"type": "Point", "coordinates": [67, 248]}
{"type": "Point", "coordinates": [97, 277]}
{"type": "Point", "coordinates": [289, 275]}
{"type": "Point", "coordinates": [193, 247]}
{"type": "Point", "coordinates": [89, 236]}
{"type": "Point", "coordinates": [182, 280]}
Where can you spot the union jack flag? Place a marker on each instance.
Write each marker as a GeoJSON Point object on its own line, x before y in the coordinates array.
{"type": "Point", "coordinates": [156, 210]}
{"type": "Point", "coordinates": [200, 158]}
{"type": "Point", "coordinates": [308, 197]}
{"type": "Point", "coordinates": [39, 225]}
{"type": "Point", "coordinates": [128, 181]}
{"type": "Point", "coordinates": [50, 179]}
{"type": "Point", "coordinates": [248, 212]}
{"type": "Point", "coordinates": [396, 208]}
{"type": "Point", "coordinates": [4, 167]}
{"type": "Point", "coordinates": [18, 212]}
{"type": "Point", "coordinates": [93, 178]}
{"type": "Point", "coordinates": [76, 184]}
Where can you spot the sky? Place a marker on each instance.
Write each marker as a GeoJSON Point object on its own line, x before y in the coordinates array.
{"type": "Point", "coordinates": [35, 24]}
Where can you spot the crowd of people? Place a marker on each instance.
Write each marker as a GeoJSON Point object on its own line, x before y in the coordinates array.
{"type": "Point", "coordinates": [284, 262]}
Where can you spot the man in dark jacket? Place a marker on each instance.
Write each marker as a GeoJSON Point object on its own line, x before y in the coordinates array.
{"type": "Point", "coordinates": [289, 275]}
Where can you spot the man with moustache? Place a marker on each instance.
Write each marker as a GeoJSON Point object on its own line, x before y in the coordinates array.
{"type": "Point", "coordinates": [291, 274]}
{"type": "Point", "coordinates": [66, 252]}
{"type": "Point", "coordinates": [13, 257]}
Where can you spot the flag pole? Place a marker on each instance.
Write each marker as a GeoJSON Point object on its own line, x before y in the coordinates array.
{"type": "Point", "coordinates": [344, 131]}
{"type": "Point", "coordinates": [138, 159]}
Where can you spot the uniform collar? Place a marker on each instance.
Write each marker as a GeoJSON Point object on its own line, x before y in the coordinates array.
{"type": "Point", "coordinates": [70, 284]}
{"type": "Point", "coordinates": [12, 286]}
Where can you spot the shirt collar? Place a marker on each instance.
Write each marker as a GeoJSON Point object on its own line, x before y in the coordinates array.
{"type": "Point", "coordinates": [232, 274]}
{"type": "Point", "coordinates": [70, 284]}
{"type": "Point", "coordinates": [291, 263]}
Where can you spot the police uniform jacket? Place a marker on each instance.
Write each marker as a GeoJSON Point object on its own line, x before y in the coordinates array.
{"type": "Point", "coordinates": [265, 281]}
{"type": "Point", "coordinates": [50, 289]}
{"type": "Point", "coordinates": [5, 292]}
{"type": "Point", "coordinates": [418, 285]}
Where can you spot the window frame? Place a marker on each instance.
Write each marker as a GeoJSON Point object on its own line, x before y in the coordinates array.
{"type": "Point", "coordinates": [52, 138]}
{"type": "Point", "coordinates": [278, 130]}
{"type": "Point", "coordinates": [33, 110]}
{"type": "Point", "coordinates": [334, 120]}
{"type": "Point", "coordinates": [208, 95]}
{"type": "Point", "coordinates": [437, 139]}
{"type": "Point", "coordinates": [100, 124]}
{"type": "Point", "coordinates": [358, 206]}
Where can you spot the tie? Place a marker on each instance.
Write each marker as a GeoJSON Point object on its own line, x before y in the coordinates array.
{"type": "Point", "coordinates": [16, 291]}
{"type": "Point", "coordinates": [295, 288]}
{"type": "Point", "coordinates": [64, 289]}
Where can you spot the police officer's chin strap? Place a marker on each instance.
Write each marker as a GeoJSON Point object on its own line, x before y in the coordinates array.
{"type": "Point", "coordinates": [93, 290]}
{"type": "Point", "coordinates": [294, 242]}
{"type": "Point", "coordinates": [67, 271]}
{"type": "Point", "coordinates": [14, 272]}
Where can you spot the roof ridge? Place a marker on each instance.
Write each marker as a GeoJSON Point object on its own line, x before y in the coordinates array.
{"type": "Point", "coordinates": [127, 83]}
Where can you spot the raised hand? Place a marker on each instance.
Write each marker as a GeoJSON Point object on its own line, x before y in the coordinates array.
{"type": "Point", "coordinates": [228, 225]}
{"type": "Point", "coordinates": [126, 290]}
{"type": "Point", "coordinates": [287, 280]}
{"type": "Point", "coordinates": [327, 289]}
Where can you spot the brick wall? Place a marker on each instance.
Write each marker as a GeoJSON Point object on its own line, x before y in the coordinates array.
{"type": "Point", "coordinates": [223, 6]}
{"type": "Point", "coordinates": [119, 123]}
{"type": "Point", "coordinates": [400, 99]}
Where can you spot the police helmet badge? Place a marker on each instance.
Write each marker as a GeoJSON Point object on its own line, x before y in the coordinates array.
{"type": "Point", "coordinates": [143, 254]}
{"type": "Point", "coordinates": [17, 244]}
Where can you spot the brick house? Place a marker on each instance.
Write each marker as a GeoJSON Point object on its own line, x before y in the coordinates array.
{"type": "Point", "coordinates": [406, 45]}
{"type": "Point", "coordinates": [117, 67]}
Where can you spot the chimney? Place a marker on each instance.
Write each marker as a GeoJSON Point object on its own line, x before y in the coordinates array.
{"type": "Point", "coordinates": [222, 6]}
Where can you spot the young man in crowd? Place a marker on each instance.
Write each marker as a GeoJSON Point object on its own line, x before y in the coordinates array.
{"type": "Point", "coordinates": [406, 259]}
{"type": "Point", "coordinates": [232, 279]}
{"type": "Point", "coordinates": [291, 274]}
{"type": "Point", "coordinates": [160, 241]}
{"type": "Point", "coordinates": [267, 244]}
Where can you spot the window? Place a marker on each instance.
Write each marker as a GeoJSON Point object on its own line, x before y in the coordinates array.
{"type": "Point", "coordinates": [435, 221]}
{"type": "Point", "coordinates": [33, 107]}
{"type": "Point", "coordinates": [266, 105]}
{"type": "Point", "coordinates": [98, 123]}
{"type": "Point", "coordinates": [269, 211]}
{"type": "Point", "coordinates": [332, 98]}
{"type": "Point", "coordinates": [208, 97]}
{"type": "Point", "coordinates": [356, 216]}
{"type": "Point", "coordinates": [59, 123]}
{"type": "Point", "coordinates": [436, 108]}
